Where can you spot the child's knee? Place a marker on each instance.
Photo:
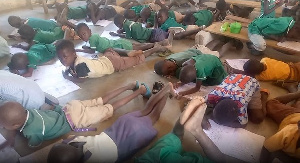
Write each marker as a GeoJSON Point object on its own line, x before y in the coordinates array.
{"type": "Point", "coordinates": [258, 41]}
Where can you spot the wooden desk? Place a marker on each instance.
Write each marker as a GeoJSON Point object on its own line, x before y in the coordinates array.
{"type": "Point", "coordinates": [243, 36]}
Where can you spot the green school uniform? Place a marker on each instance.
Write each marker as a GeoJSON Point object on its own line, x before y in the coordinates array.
{"type": "Point", "coordinates": [203, 17]}
{"type": "Point", "coordinates": [45, 125]}
{"type": "Point", "coordinates": [46, 37]}
{"type": "Point", "coordinates": [171, 22]}
{"type": "Point", "coordinates": [101, 43]}
{"type": "Point", "coordinates": [181, 57]}
{"type": "Point", "coordinates": [151, 19]}
{"type": "Point", "coordinates": [138, 9]}
{"type": "Point", "coordinates": [136, 31]}
{"type": "Point", "coordinates": [40, 53]}
{"type": "Point", "coordinates": [169, 149]}
{"type": "Point", "coordinates": [42, 24]}
{"type": "Point", "coordinates": [209, 69]}
{"type": "Point", "coordinates": [271, 26]}
{"type": "Point", "coordinates": [270, 15]}
{"type": "Point", "coordinates": [79, 12]}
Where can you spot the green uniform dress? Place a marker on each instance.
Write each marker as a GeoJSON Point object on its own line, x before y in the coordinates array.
{"type": "Point", "coordinates": [42, 24]}
{"type": "Point", "coordinates": [101, 43]}
{"type": "Point", "coordinates": [203, 17]}
{"type": "Point", "coordinates": [168, 149]}
{"type": "Point", "coordinates": [136, 31]}
{"type": "Point", "coordinates": [181, 57]}
{"type": "Point", "coordinates": [78, 12]}
{"type": "Point", "coordinates": [40, 53]}
{"type": "Point", "coordinates": [46, 37]}
{"type": "Point", "coordinates": [171, 22]}
{"type": "Point", "coordinates": [138, 9]}
{"type": "Point", "coordinates": [151, 19]}
{"type": "Point", "coordinates": [271, 26]}
{"type": "Point", "coordinates": [270, 15]}
{"type": "Point", "coordinates": [209, 69]}
{"type": "Point", "coordinates": [45, 125]}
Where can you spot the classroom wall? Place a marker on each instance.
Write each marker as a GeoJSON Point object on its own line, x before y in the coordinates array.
{"type": "Point", "coordinates": [11, 4]}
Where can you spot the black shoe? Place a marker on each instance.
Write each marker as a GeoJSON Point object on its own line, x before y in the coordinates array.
{"type": "Point", "coordinates": [157, 86]}
{"type": "Point", "coordinates": [252, 50]}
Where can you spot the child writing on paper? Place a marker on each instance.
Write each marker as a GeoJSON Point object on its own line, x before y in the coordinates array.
{"type": "Point", "coordinates": [278, 29]}
{"type": "Point", "coordinates": [24, 63]}
{"type": "Point", "coordinates": [110, 62]}
{"type": "Point", "coordinates": [127, 135]}
{"type": "Point", "coordinates": [234, 99]}
{"type": "Point", "coordinates": [204, 69]}
{"type": "Point", "coordinates": [40, 125]}
{"type": "Point", "coordinates": [285, 144]}
{"type": "Point", "coordinates": [101, 43]}
{"type": "Point", "coordinates": [169, 149]}
{"type": "Point", "coordinates": [268, 69]}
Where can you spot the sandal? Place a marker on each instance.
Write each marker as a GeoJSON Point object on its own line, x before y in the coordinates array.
{"type": "Point", "coordinates": [137, 86]}
{"type": "Point", "coordinates": [148, 92]}
{"type": "Point", "coordinates": [157, 86]}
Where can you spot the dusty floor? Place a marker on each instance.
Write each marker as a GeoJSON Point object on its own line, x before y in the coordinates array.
{"type": "Point", "coordinates": [143, 73]}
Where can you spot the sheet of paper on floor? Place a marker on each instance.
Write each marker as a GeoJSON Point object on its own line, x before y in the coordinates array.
{"type": "Point", "coordinates": [102, 23]}
{"type": "Point", "coordinates": [237, 63]}
{"type": "Point", "coordinates": [238, 143]}
{"type": "Point", "coordinates": [38, 156]}
{"type": "Point", "coordinates": [14, 50]}
{"type": "Point", "coordinates": [290, 45]}
{"type": "Point", "coordinates": [50, 79]}
{"type": "Point", "coordinates": [204, 90]}
{"type": "Point", "coordinates": [108, 36]}
{"type": "Point", "coordinates": [8, 154]}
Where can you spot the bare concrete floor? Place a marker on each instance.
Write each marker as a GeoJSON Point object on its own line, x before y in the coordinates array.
{"type": "Point", "coordinates": [144, 73]}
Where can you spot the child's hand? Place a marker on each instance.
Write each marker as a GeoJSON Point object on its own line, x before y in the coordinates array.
{"type": "Point", "coordinates": [120, 31]}
{"type": "Point", "coordinates": [17, 45]}
{"type": "Point", "coordinates": [113, 34]}
{"type": "Point", "coordinates": [177, 85]}
{"type": "Point", "coordinates": [85, 47]}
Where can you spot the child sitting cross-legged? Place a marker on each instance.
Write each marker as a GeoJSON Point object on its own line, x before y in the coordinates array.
{"type": "Point", "coordinates": [127, 135]}
{"type": "Point", "coordinates": [110, 62]}
{"type": "Point", "coordinates": [101, 44]}
{"type": "Point", "coordinates": [40, 125]}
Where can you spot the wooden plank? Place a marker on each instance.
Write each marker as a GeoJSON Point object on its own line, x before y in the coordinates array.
{"type": "Point", "coordinates": [243, 36]}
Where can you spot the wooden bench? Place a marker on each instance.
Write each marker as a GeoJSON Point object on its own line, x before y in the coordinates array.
{"type": "Point", "coordinates": [243, 36]}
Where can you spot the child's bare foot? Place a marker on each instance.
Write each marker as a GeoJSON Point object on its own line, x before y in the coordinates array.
{"type": "Point", "coordinates": [134, 53]}
{"type": "Point", "coordinates": [189, 110]}
{"type": "Point", "coordinates": [172, 90]}
{"type": "Point", "coordinates": [290, 86]}
{"type": "Point", "coordinates": [192, 123]}
{"type": "Point", "coordinates": [160, 48]}
{"type": "Point", "coordinates": [134, 85]}
{"type": "Point", "coordinates": [62, 18]}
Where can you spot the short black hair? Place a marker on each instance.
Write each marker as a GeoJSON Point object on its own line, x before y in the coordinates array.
{"type": "Point", "coordinates": [79, 26]}
{"type": "Point", "coordinates": [164, 11]}
{"type": "Point", "coordinates": [129, 14]}
{"type": "Point", "coordinates": [158, 66]}
{"type": "Point", "coordinates": [187, 74]}
{"type": "Point", "coordinates": [221, 5]}
{"type": "Point", "coordinates": [17, 60]}
{"type": "Point", "coordinates": [146, 10]}
{"type": "Point", "coordinates": [226, 111]}
{"type": "Point", "coordinates": [27, 32]}
{"type": "Point", "coordinates": [253, 67]}
{"type": "Point", "coordinates": [65, 44]}
{"type": "Point", "coordinates": [189, 17]}
{"type": "Point", "coordinates": [119, 19]}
